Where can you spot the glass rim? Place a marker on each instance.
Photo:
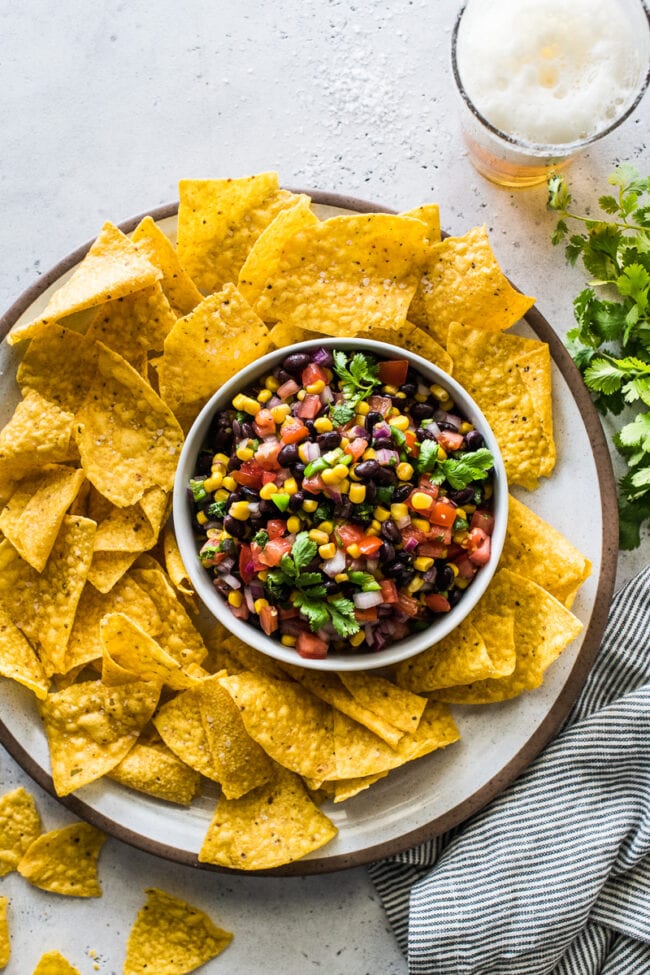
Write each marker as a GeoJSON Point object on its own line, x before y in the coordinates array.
{"type": "Point", "coordinates": [561, 149]}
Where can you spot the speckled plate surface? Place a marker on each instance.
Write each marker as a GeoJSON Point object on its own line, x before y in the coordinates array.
{"type": "Point", "coordinates": [498, 741]}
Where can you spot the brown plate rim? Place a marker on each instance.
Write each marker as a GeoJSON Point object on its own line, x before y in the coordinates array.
{"type": "Point", "coordinates": [543, 733]}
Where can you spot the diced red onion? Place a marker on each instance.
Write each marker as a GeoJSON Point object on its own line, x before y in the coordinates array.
{"type": "Point", "coordinates": [254, 507]}
{"type": "Point", "coordinates": [366, 600]}
{"type": "Point", "coordinates": [336, 564]}
{"type": "Point", "coordinates": [386, 456]}
{"type": "Point", "coordinates": [250, 599]}
{"type": "Point", "coordinates": [381, 430]}
{"type": "Point", "coordinates": [322, 357]}
{"type": "Point", "coordinates": [411, 544]}
{"type": "Point", "coordinates": [226, 564]}
{"type": "Point", "coordinates": [327, 396]}
{"type": "Point", "coordinates": [231, 581]}
{"type": "Point", "coordinates": [313, 450]}
{"type": "Point", "coordinates": [288, 389]}
{"type": "Point", "coordinates": [403, 521]}
{"type": "Point", "coordinates": [372, 565]}
{"type": "Point", "coordinates": [333, 494]}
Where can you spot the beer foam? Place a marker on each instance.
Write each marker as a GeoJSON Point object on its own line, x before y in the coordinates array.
{"type": "Point", "coordinates": [551, 72]}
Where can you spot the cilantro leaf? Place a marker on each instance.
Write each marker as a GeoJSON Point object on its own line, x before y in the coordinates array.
{"type": "Point", "coordinates": [303, 551]}
{"type": "Point", "coordinates": [358, 375]}
{"type": "Point", "coordinates": [342, 413]}
{"type": "Point", "coordinates": [341, 611]}
{"type": "Point", "coordinates": [428, 457]}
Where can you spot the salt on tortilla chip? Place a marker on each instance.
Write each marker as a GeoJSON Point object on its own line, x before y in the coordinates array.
{"type": "Point", "coordinates": [111, 269]}
{"type": "Point", "coordinates": [462, 282]}
{"type": "Point", "coordinates": [346, 275]}
{"type": "Point", "coordinates": [134, 325]}
{"type": "Point", "coordinates": [128, 439]}
{"type": "Point", "coordinates": [20, 824]}
{"type": "Point", "coordinates": [416, 340]}
{"type": "Point", "coordinates": [170, 937]}
{"type": "Point", "coordinates": [137, 655]}
{"type": "Point", "coordinates": [64, 861]}
{"type": "Point", "coordinates": [38, 433]}
{"type": "Point", "coordinates": [18, 660]}
{"type": "Point", "coordinates": [219, 220]}
{"type": "Point", "coordinates": [264, 255]}
{"type": "Point", "coordinates": [543, 627]}
{"type": "Point", "coordinates": [485, 364]}
{"type": "Point", "coordinates": [397, 705]}
{"type": "Point", "coordinates": [156, 771]}
{"type": "Point", "coordinates": [153, 244]}
{"type": "Point", "coordinates": [32, 517]}
{"type": "Point", "coordinates": [536, 550]}
{"type": "Point", "coordinates": [203, 350]}
{"type": "Point", "coordinates": [291, 725]}
{"type": "Point", "coordinates": [53, 963]}
{"type": "Point", "coordinates": [177, 635]}
{"type": "Point", "coordinates": [90, 728]}
{"type": "Point", "coordinates": [43, 605]}
{"type": "Point", "coordinates": [60, 365]}
{"type": "Point", "coordinates": [5, 941]}
{"type": "Point", "coordinates": [274, 824]}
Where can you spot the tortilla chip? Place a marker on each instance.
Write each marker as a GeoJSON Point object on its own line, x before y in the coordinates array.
{"type": "Point", "coordinates": [179, 724]}
{"type": "Point", "coordinates": [152, 243]}
{"type": "Point", "coordinates": [64, 861]}
{"type": "Point", "coordinates": [38, 433]}
{"type": "Point", "coordinates": [174, 564]}
{"type": "Point", "coordinates": [156, 771]}
{"type": "Point", "coordinates": [177, 635]}
{"type": "Point", "coordinates": [348, 788]}
{"type": "Point", "coordinates": [346, 275]}
{"type": "Point", "coordinates": [250, 659]}
{"type": "Point", "coordinates": [291, 725]}
{"type": "Point", "coordinates": [32, 517]}
{"type": "Point", "coordinates": [59, 364]}
{"type": "Point", "coordinates": [90, 728]}
{"type": "Point", "coordinates": [53, 963]}
{"type": "Point", "coordinates": [107, 568]}
{"type": "Point", "coordinates": [274, 824]}
{"type": "Point", "coordinates": [20, 824]}
{"type": "Point", "coordinates": [206, 348]}
{"type": "Point", "coordinates": [536, 550]}
{"type": "Point", "coordinates": [429, 214]}
{"type": "Point", "coordinates": [219, 220]}
{"type": "Point", "coordinates": [134, 325]}
{"type": "Point", "coordinates": [397, 705]}
{"type": "Point", "coordinates": [283, 334]}
{"type": "Point", "coordinates": [416, 340]}
{"type": "Point", "coordinates": [485, 364]}
{"type": "Point", "coordinates": [263, 258]}
{"type": "Point", "coordinates": [543, 627]}
{"type": "Point", "coordinates": [18, 661]}
{"type": "Point", "coordinates": [137, 655]}
{"type": "Point", "coordinates": [134, 528]}
{"type": "Point", "coordinates": [127, 438]}
{"type": "Point", "coordinates": [462, 282]}
{"type": "Point", "coordinates": [535, 369]}
{"type": "Point", "coordinates": [111, 269]}
{"type": "Point", "coordinates": [5, 942]}
{"type": "Point", "coordinates": [43, 605]}
{"type": "Point", "coordinates": [170, 937]}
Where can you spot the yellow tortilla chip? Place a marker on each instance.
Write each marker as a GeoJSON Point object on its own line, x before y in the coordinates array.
{"type": "Point", "coordinates": [178, 722]}
{"type": "Point", "coordinates": [409, 336]}
{"type": "Point", "coordinates": [536, 550]}
{"type": "Point", "coordinates": [177, 634]}
{"type": "Point", "coordinates": [111, 269]}
{"type": "Point", "coordinates": [543, 627]}
{"type": "Point", "coordinates": [207, 347]}
{"type": "Point", "coordinates": [250, 659]}
{"type": "Point", "coordinates": [170, 937]}
{"type": "Point", "coordinates": [64, 861]}
{"type": "Point", "coordinates": [274, 824]}
{"type": "Point", "coordinates": [156, 771]}
{"type": "Point", "coordinates": [348, 788]}
{"type": "Point", "coordinates": [134, 325]}
{"type": "Point", "coordinates": [90, 728]}
{"type": "Point", "coordinates": [137, 655]}
{"type": "Point", "coordinates": [291, 725]}
{"type": "Point", "coordinates": [32, 517]}
{"type": "Point", "coordinates": [219, 220]}
{"type": "Point", "coordinates": [485, 365]}
{"type": "Point", "coordinates": [18, 661]}
{"type": "Point", "coordinates": [128, 439]}
{"type": "Point", "coordinates": [535, 369]}
{"type": "Point", "coordinates": [38, 433]}
{"type": "Point", "coordinates": [264, 255]}
{"type": "Point", "coordinates": [134, 528]}
{"type": "Point", "coordinates": [59, 364]}
{"type": "Point", "coordinates": [20, 824]}
{"type": "Point", "coordinates": [429, 214]}
{"type": "Point", "coordinates": [462, 282]}
{"type": "Point", "coordinates": [5, 942]}
{"type": "Point", "coordinates": [152, 243]}
{"type": "Point", "coordinates": [174, 563]}
{"type": "Point", "coordinates": [43, 605]}
{"type": "Point", "coordinates": [283, 334]}
{"type": "Point", "coordinates": [107, 568]}
{"type": "Point", "coordinates": [346, 275]}
{"type": "Point", "coordinates": [53, 963]}
{"type": "Point", "coordinates": [397, 705]}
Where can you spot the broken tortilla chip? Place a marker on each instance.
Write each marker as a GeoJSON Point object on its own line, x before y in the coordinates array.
{"type": "Point", "coordinates": [20, 824]}
{"type": "Point", "coordinates": [64, 861]}
{"type": "Point", "coordinates": [150, 241]}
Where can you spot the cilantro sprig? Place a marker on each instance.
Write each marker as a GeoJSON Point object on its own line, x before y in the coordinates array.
{"type": "Point", "coordinates": [459, 471]}
{"type": "Point", "coordinates": [611, 341]}
{"type": "Point", "coordinates": [359, 377]}
{"type": "Point", "coordinates": [307, 589]}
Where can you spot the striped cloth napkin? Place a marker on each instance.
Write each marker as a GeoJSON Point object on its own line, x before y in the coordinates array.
{"type": "Point", "coordinates": [552, 877]}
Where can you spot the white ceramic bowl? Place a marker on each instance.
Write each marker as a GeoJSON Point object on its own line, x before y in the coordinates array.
{"type": "Point", "coordinates": [214, 602]}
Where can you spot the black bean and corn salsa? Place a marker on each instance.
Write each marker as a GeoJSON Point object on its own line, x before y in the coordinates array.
{"type": "Point", "coordinates": [342, 502]}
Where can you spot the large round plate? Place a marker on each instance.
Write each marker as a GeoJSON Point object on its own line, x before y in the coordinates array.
{"type": "Point", "coordinates": [498, 741]}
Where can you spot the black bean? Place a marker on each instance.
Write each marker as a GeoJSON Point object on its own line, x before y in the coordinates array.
{"type": "Point", "coordinates": [425, 433]}
{"type": "Point", "coordinates": [296, 500]}
{"type": "Point", "coordinates": [445, 577]}
{"type": "Point", "coordinates": [409, 388]}
{"type": "Point", "coordinates": [401, 492]}
{"type": "Point", "coordinates": [473, 440]}
{"type": "Point", "coordinates": [312, 429]}
{"type": "Point", "coordinates": [247, 430]}
{"type": "Point", "coordinates": [390, 532]}
{"type": "Point", "coordinates": [234, 527]}
{"type": "Point", "coordinates": [454, 596]}
{"type": "Point", "coordinates": [221, 440]}
{"type": "Point", "coordinates": [367, 469]}
{"type": "Point", "coordinates": [284, 376]}
{"type": "Point", "coordinates": [288, 455]}
{"type": "Point", "coordinates": [329, 441]}
{"type": "Point", "coordinates": [463, 496]}
{"type": "Point", "coordinates": [404, 576]}
{"type": "Point", "coordinates": [387, 552]}
{"type": "Point", "coordinates": [298, 469]}
{"type": "Point", "coordinates": [372, 418]}
{"type": "Point", "coordinates": [249, 493]}
{"type": "Point", "coordinates": [204, 462]}
{"type": "Point", "coordinates": [234, 463]}
{"type": "Point", "coordinates": [422, 411]}
{"type": "Point", "coordinates": [268, 509]}
{"type": "Point", "coordinates": [371, 493]}
{"type": "Point", "coordinates": [296, 362]}
{"type": "Point", "coordinates": [383, 443]}
{"type": "Point", "coordinates": [385, 476]}
{"type": "Point", "coordinates": [392, 569]}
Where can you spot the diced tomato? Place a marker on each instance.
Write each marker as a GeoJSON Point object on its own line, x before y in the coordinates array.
{"type": "Point", "coordinates": [309, 408]}
{"type": "Point", "coordinates": [350, 534]}
{"type": "Point", "coordinates": [411, 443]}
{"type": "Point", "coordinates": [449, 440]}
{"type": "Point", "coordinates": [437, 603]}
{"type": "Point", "coordinates": [465, 567]}
{"type": "Point", "coordinates": [250, 474]}
{"type": "Point", "coordinates": [484, 520]}
{"type": "Point", "coordinates": [268, 619]}
{"type": "Point", "coordinates": [439, 534]}
{"type": "Point", "coordinates": [276, 527]}
{"type": "Point", "coordinates": [266, 455]}
{"type": "Point", "coordinates": [424, 484]}
{"type": "Point", "coordinates": [366, 615]}
{"type": "Point", "coordinates": [409, 532]}
{"type": "Point", "coordinates": [293, 430]}
{"type": "Point", "coordinates": [268, 476]}
{"type": "Point", "coordinates": [479, 546]}
{"type": "Point", "coordinates": [246, 565]}
{"type": "Point", "coordinates": [425, 489]}
{"type": "Point", "coordinates": [389, 591]}
{"type": "Point", "coordinates": [313, 484]}
{"type": "Point", "coordinates": [288, 612]}
{"type": "Point", "coordinates": [393, 371]}
{"type": "Point", "coordinates": [311, 646]}
{"type": "Point", "coordinates": [240, 612]}
{"type": "Point", "coordinates": [356, 447]}
{"type": "Point", "coordinates": [370, 545]}
{"type": "Point", "coordinates": [433, 550]}
{"type": "Point", "coordinates": [380, 404]}
{"type": "Point", "coordinates": [274, 549]}
{"type": "Point", "coordinates": [442, 513]}
{"type": "Point", "coordinates": [313, 373]}
{"type": "Point", "coordinates": [408, 605]}
{"type": "Point", "coordinates": [264, 424]}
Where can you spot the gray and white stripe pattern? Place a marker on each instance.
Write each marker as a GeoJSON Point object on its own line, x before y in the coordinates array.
{"type": "Point", "coordinates": [553, 877]}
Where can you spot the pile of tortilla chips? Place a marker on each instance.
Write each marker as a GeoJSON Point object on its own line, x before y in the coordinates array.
{"type": "Point", "coordinates": [97, 615]}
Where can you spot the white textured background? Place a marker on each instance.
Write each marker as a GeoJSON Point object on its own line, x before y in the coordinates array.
{"type": "Point", "coordinates": [103, 108]}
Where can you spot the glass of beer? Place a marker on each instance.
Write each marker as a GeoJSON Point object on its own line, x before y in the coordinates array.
{"type": "Point", "coordinates": [540, 80]}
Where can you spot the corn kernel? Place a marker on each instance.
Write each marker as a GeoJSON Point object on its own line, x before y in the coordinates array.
{"type": "Point", "coordinates": [214, 482]}
{"type": "Point", "coordinates": [454, 568]}
{"type": "Point", "coordinates": [423, 563]}
{"type": "Point", "coordinates": [404, 471]}
{"type": "Point", "coordinates": [315, 388]}
{"type": "Point", "coordinates": [357, 493]}
{"type": "Point", "coordinates": [420, 397]}
{"type": "Point", "coordinates": [263, 575]}
{"type": "Point", "coordinates": [400, 421]}
{"type": "Point", "coordinates": [272, 383]}
{"type": "Point", "coordinates": [357, 639]}
{"type": "Point", "coordinates": [294, 524]}
{"type": "Point", "coordinates": [439, 392]}
{"type": "Point", "coordinates": [245, 453]}
{"type": "Point", "coordinates": [326, 526]}
{"type": "Point", "coordinates": [375, 525]}
{"type": "Point", "coordinates": [267, 490]}
{"type": "Point", "coordinates": [260, 604]}
{"type": "Point", "coordinates": [301, 394]}
{"type": "Point", "coordinates": [354, 551]}
{"type": "Point", "coordinates": [229, 483]}
{"type": "Point", "coordinates": [447, 404]}
{"type": "Point", "coordinates": [465, 427]}
{"type": "Point", "coordinates": [235, 598]}
{"type": "Point", "coordinates": [398, 511]}
{"type": "Point", "coordinates": [400, 395]}
{"type": "Point", "coordinates": [221, 495]}
{"type": "Point", "coordinates": [415, 585]}
{"type": "Point", "coordinates": [327, 551]}
{"type": "Point", "coordinates": [421, 501]}
{"type": "Point", "coordinates": [344, 485]}
{"type": "Point", "coordinates": [341, 577]}
{"type": "Point", "coordinates": [246, 404]}
{"type": "Point", "coordinates": [369, 453]}
{"type": "Point", "coordinates": [389, 390]}
{"type": "Point", "coordinates": [372, 531]}
{"type": "Point", "coordinates": [280, 412]}
{"type": "Point", "coordinates": [309, 505]}
{"type": "Point", "coordinates": [461, 513]}
{"type": "Point", "coordinates": [321, 538]}
{"type": "Point", "coordinates": [202, 518]}
{"type": "Point", "coordinates": [442, 453]}
{"type": "Point", "coordinates": [421, 523]}
{"type": "Point", "coordinates": [487, 491]}
{"type": "Point", "coordinates": [220, 459]}
{"type": "Point", "coordinates": [381, 514]}
{"type": "Point", "coordinates": [287, 640]}
{"type": "Point", "coordinates": [330, 477]}
{"type": "Point", "coordinates": [239, 510]}
{"type": "Point", "coordinates": [290, 485]}
{"type": "Point", "coordinates": [264, 395]}
{"type": "Point", "coordinates": [462, 583]}
{"type": "Point", "coordinates": [470, 509]}
{"type": "Point", "coordinates": [363, 408]}
{"type": "Point", "coordinates": [323, 424]}
{"type": "Point", "coordinates": [303, 452]}
{"type": "Point", "coordinates": [341, 470]}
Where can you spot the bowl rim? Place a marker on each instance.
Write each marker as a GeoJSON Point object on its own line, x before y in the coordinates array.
{"type": "Point", "coordinates": [181, 514]}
